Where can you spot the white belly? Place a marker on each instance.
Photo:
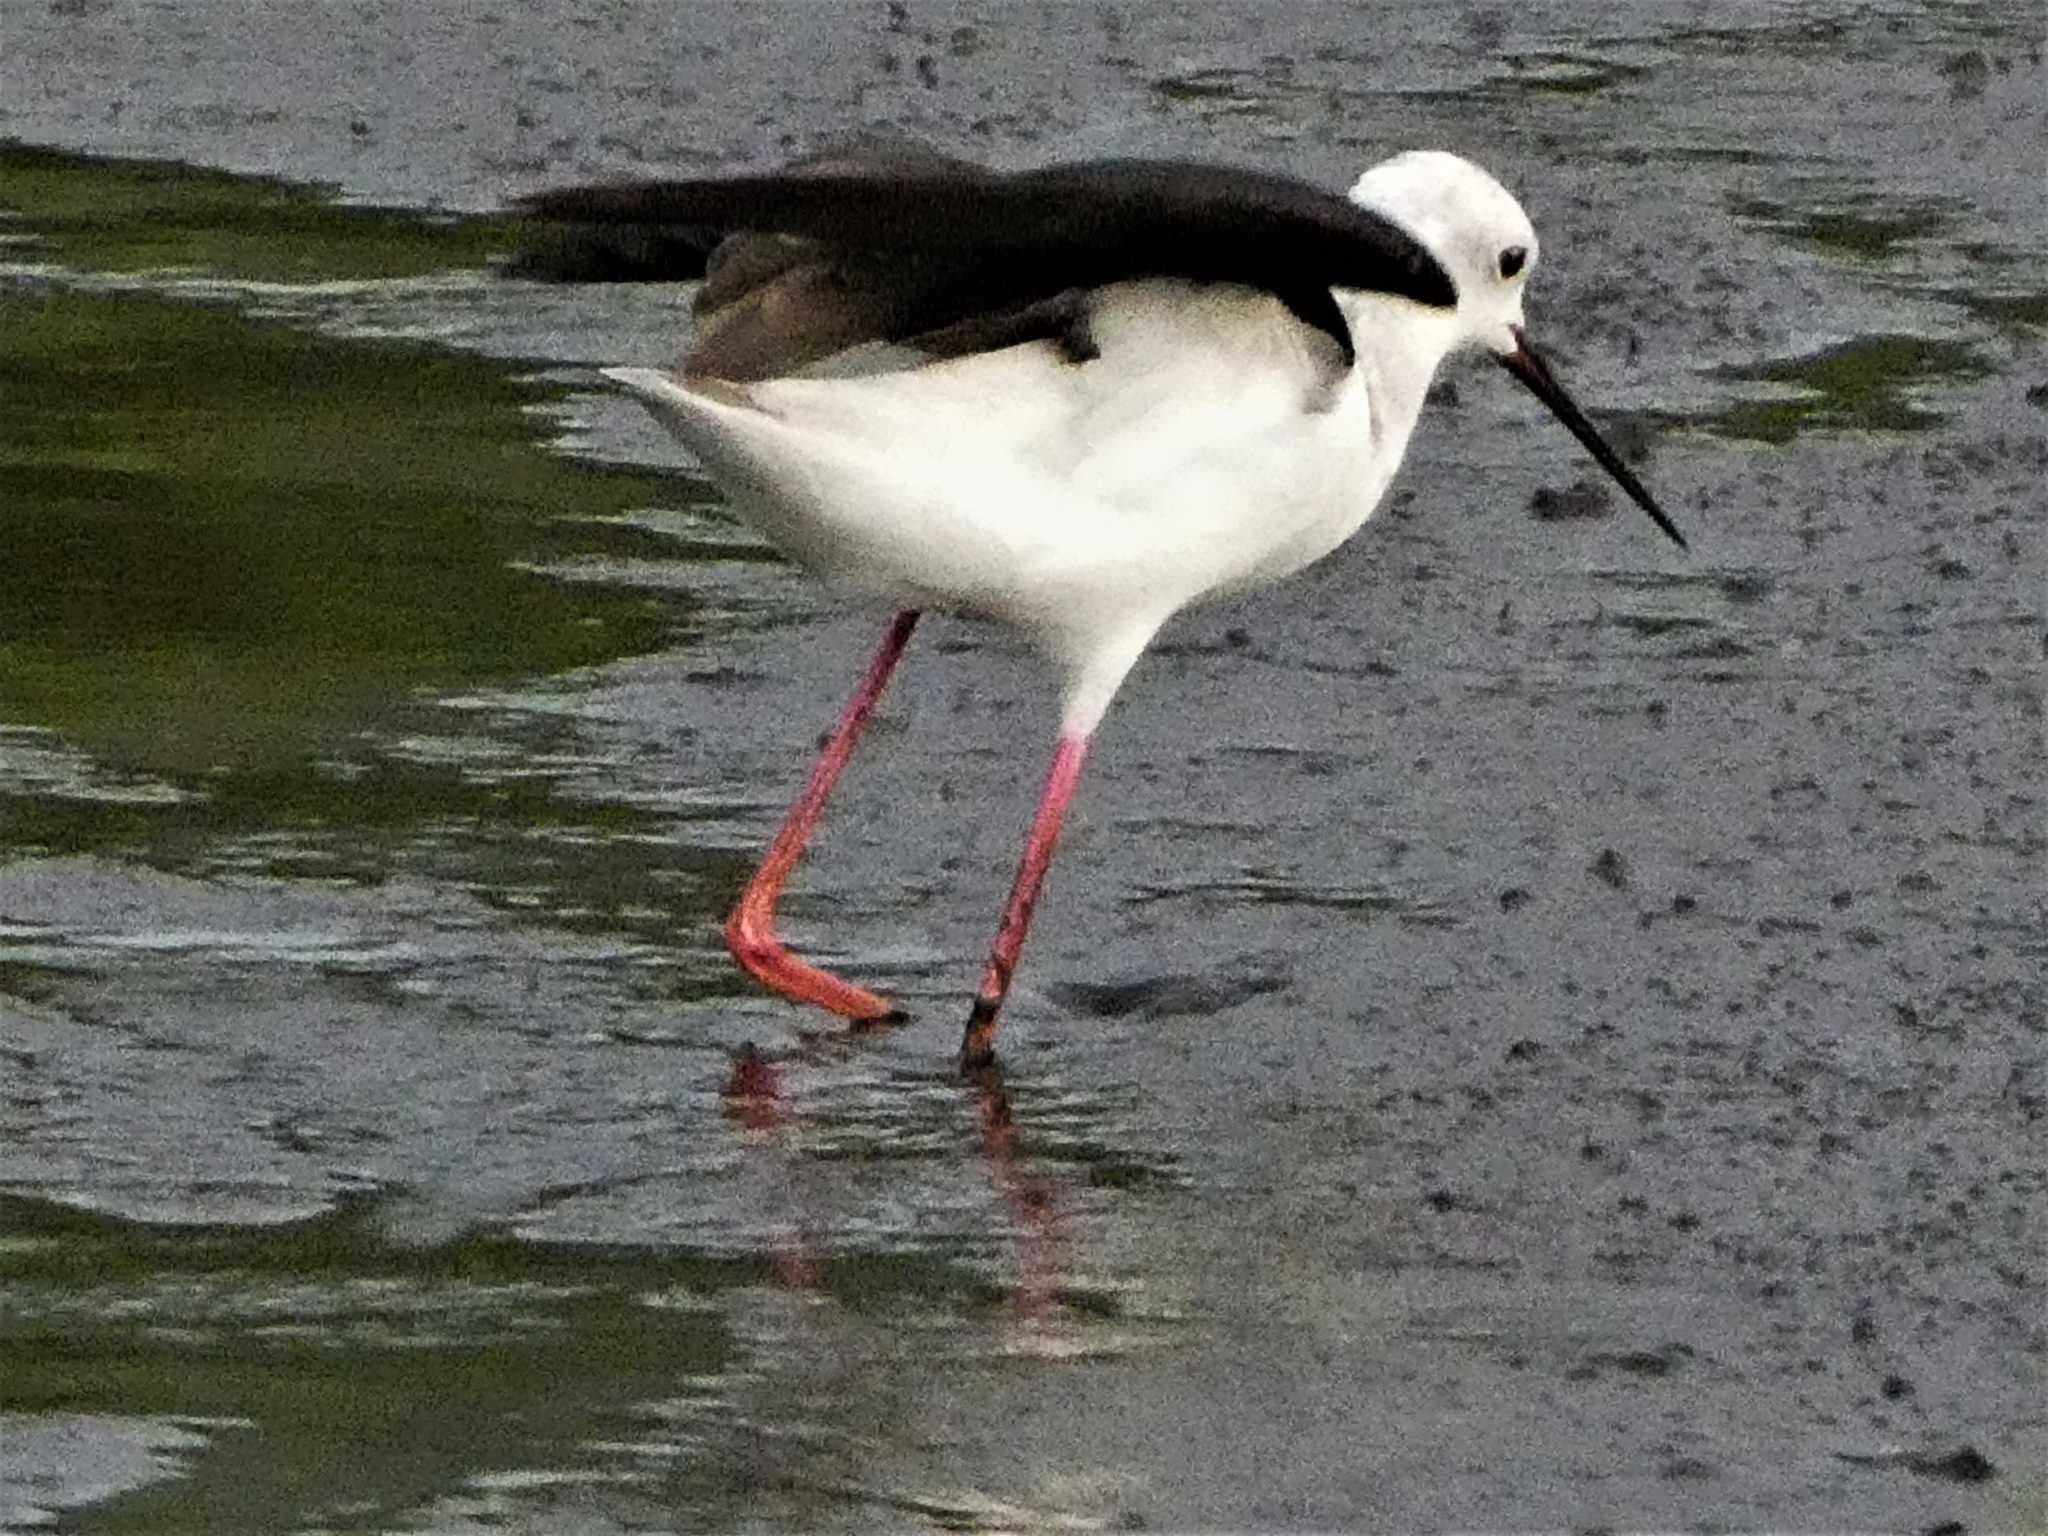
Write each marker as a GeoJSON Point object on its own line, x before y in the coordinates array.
{"type": "Point", "coordinates": [1204, 450]}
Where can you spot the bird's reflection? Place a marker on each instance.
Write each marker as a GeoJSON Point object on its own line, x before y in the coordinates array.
{"type": "Point", "coordinates": [1031, 1198]}
{"type": "Point", "coordinates": [756, 1098]}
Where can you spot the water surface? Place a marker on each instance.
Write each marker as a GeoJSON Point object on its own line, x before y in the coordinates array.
{"type": "Point", "coordinates": [1528, 1027]}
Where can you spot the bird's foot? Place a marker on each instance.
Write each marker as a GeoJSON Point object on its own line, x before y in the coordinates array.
{"type": "Point", "coordinates": [768, 962]}
{"type": "Point", "coordinates": [978, 1045]}
{"type": "Point", "coordinates": [889, 1020]}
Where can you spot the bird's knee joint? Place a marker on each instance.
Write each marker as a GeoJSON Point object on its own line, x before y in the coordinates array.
{"type": "Point", "coordinates": [751, 944]}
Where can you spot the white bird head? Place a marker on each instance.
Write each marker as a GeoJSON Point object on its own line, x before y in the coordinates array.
{"type": "Point", "coordinates": [1485, 242]}
{"type": "Point", "coordinates": [1472, 225]}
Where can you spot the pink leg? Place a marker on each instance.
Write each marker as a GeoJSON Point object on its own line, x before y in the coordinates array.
{"type": "Point", "coordinates": [750, 931]}
{"type": "Point", "coordinates": [978, 1048]}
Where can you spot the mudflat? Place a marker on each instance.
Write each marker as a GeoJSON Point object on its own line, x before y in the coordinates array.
{"type": "Point", "coordinates": [1527, 1027]}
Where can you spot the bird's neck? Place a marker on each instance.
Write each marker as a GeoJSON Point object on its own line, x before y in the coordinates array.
{"type": "Point", "coordinates": [1400, 345]}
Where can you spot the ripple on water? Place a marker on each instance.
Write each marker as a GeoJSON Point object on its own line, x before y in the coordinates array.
{"type": "Point", "coordinates": [1257, 887]}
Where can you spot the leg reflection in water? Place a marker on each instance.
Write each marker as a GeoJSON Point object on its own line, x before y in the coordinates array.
{"type": "Point", "coordinates": [755, 1098]}
{"type": "Point", "coordinates": [1034, 1209]}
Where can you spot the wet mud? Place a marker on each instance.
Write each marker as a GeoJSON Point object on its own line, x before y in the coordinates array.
{"type": "Point", "coordinates": [1527, 1026]}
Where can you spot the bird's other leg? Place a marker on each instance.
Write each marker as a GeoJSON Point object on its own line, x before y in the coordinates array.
{"type": "Point", "coordinates": [750, 930]}
{"type": "Point", "coordinates": [977, 1049]}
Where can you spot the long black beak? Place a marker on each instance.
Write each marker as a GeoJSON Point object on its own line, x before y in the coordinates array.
{"type": "Point", "coordinates": [1527, 364]}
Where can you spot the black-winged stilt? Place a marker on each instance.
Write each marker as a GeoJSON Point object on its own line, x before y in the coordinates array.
{"type": "Point", "coordinates": [1071, 400]}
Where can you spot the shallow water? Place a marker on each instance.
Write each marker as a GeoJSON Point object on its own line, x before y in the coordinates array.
{"type": "Point", "coordinates": [1527, 1027]}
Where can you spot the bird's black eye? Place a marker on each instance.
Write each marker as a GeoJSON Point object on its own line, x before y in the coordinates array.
{"type": "Point", "coordinates": [1512, 260]}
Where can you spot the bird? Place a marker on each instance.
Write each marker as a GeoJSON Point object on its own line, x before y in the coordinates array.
{"type": "Point", "coordinates": [1072, 400]}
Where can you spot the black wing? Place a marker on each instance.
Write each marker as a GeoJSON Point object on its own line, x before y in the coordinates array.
{"type": "Point", "coordinates": [916, 244]}
{"type": "Point", "coordinates": [599, 244]}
